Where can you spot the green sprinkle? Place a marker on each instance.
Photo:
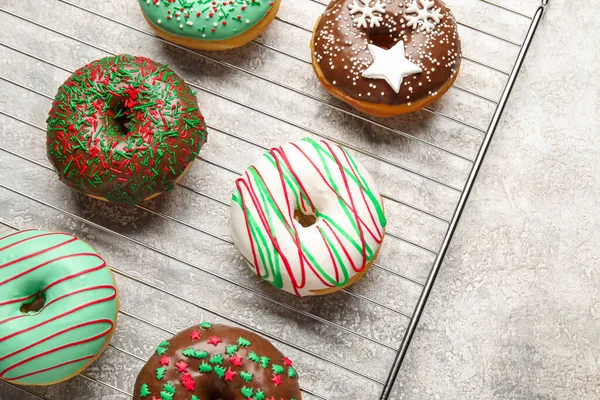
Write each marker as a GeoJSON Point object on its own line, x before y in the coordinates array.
{"type": "Point", "coordinates": [189, 352]}
{"type": "Point", "coordinates": [168, 392]}
{"type": "Point", "coordinates": [259, 395]}
{"type": "Point", "coordinates": [67, 166]}
{"type": "Point", "coordinates": [277, 369]}
{"type": "Point", "coordinates": [253, 357]}
{"type": "Point", "coordinates": [243, 342]}
{"type": "Point", "coordinates": [220, 371]}
{"type": "Point", "coordinates": [246, 376]}
{"type": "Point", "coordinates": [231, 349]}
{"type": "Point", "coordinates": [216, 359]}
{"type": "Point", "coordinates": [144, 390]}
{"type": "Point", "coordinates": [247, 392]}
{"type": "Point", "coordinates": [204, 367]}
{"type": "Point", "coordinates": [292, 372]}
{"type": "Point", "coordinates": [160, 372]}
{"type": "Point", "coordinates": [264, 361]}
{"type": "Point", "coordinates": [206, 325]}
{"type": "Point", "coordinates": [201, 354]}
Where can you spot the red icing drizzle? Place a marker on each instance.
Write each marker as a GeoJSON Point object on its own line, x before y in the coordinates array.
{"type": "Point", "coordinates": [110, 297]}
{"type": "Point", "coordinates": [279, 156]}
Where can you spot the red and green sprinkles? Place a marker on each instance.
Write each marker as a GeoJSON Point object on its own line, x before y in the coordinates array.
{"type": "Point", "coordinates": [162, 348]}
{"type": "Point", "coordinates": [124, 128]}
{"type": "Point", "coordinates": [208, 20]}
{"type": "Point", "coordinates": [213, 363]}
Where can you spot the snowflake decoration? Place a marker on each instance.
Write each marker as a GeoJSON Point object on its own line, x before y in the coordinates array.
{"type": "Point", "coordinates": [367, 12]}
{"type": "Point", "coordinates": [421, 21]}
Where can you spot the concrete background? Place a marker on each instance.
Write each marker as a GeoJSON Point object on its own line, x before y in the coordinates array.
{"type": "Point", "coordinates": [515, 313]}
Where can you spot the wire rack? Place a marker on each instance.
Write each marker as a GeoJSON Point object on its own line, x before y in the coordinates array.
{"type": "Point", "coordinates": [173, 258]}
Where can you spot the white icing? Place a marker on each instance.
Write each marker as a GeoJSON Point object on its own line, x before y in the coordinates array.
{"type": "Point", "coordinates": [391, 65]}
{"type": "Point", "coordinates": [421, 21]}
{"type": "Point", "coordinates": [367, 13]}
{"type": "Point", "coordinates": [334, 219]}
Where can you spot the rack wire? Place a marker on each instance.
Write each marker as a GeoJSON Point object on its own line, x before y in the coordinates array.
{"type": "Point", "coordinates": [336, 354]}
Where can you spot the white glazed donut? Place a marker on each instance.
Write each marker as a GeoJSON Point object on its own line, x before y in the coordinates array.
{"type": "Point", "coordinates": [307, 217]}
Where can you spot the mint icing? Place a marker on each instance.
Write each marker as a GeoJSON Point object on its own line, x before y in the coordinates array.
{"type": "Point", "coordinates": [79, 313]}
{"type": "Point", "coordinates": [206, 19]}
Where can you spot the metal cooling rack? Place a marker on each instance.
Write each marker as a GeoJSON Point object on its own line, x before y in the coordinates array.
{"type": "Point", "coordinates": [426, 163]}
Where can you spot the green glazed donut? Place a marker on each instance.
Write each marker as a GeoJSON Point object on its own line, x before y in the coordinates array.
{"type": "Point", "coordinates": [209, 24]}
{"type": "Point", "coordinates": [58, 307]}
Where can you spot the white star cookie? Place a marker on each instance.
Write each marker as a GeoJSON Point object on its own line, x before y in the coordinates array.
{"type": "Point", "coordinates": [391, 65]}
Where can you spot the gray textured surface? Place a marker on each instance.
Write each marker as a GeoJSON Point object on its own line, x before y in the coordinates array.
{"type": "Point", "coordinates": [515, 313]}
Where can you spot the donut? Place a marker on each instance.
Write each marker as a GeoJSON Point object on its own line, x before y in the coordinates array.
{"type": "Point", "coordinates": [209, 24]}
{"type": "Point", "coordinates": [124, 129]}
{"type": "Point", "coordinates": [217, 362]}
{"type": "Point", "coordinates": [58, 307]}
{"type": "Point", "coordinates": [386, 57]}
{"type": "Point", "coordinates": [307, 218]}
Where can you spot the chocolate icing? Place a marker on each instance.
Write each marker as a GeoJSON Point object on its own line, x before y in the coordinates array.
{"type": "Point", "coordinates": [208, 385]}
{"type": "Point", "coordinates": [340, 43]}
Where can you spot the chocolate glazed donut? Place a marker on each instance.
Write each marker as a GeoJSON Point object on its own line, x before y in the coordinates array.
{"type": "Point", "coordinates": [386, 57]}
{"type": "Point", "coordinates": [217, 362]}
{"type": "Point", "coordinates": [124, 129]}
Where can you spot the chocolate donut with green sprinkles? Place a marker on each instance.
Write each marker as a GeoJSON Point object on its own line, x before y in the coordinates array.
{"type": "Point", "coordinates": [124, 129]}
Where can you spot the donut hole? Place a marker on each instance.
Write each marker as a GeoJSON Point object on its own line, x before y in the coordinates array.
{"type": "Point", "coordinates": [122, 117]}
{"type": "Point", "coordinates": [303, 219]}
{"type": "Point", "coordinates": [34, 304]}
{"type": "Point", "coordinates": [381, 39]}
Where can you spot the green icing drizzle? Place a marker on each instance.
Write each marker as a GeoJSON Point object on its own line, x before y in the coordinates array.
{"type": "Point", "coordinates": [268, 256]}
{"type": "Point", "coordinates": [203, 20]}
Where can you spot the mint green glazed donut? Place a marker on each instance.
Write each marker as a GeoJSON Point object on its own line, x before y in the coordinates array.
{"type": "Point", "coordinates": [58, 307]}
{"type": "Point", "coordinates": [209, 24]}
